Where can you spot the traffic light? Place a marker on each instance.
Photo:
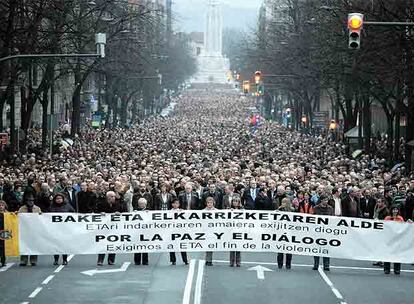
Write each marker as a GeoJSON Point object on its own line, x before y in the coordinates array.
{"type": "Point", "coordinates": [355, 23]}
{"type": "Point", "coordinates": [246, 86]}
{"type": "Point", "coordinates": [257, 77]}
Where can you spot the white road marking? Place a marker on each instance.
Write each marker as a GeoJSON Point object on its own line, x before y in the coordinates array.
{"type": "Point", "coordinates": [92, 272]}
{"type": "Point", "coordinates": [189, 282]}
{"type": "Point", "coordinates": [308, 265]}
{"type": "Point", "coordinates": [25, 303]}
{"type": "Point", "coordinates": [7, 267]}
{"type": "Point", "coordinates": [59, 268]}
{"type": "Point", "coordinates": [260, 270]}
{"type": "Point", "coordinates": [330, 284]}
{"type": "Point", "coordinates": [48, 279]}
{"type": "Point", "coordinates": [70, 257]}
{"type": "Point", "coordinates": [199, 282]}
{"type": "Point", "coordinates": [35, 292]}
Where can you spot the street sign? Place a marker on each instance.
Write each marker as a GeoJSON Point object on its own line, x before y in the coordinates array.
{"type": "Point", "coordinates": [4, 139]}
{"type": "Point", "coordinates": [320, 119]}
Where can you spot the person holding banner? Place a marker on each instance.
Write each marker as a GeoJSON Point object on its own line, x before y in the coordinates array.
{"type": "Point", "coordinates": [3, 209]}
{"type": "Point", "coordinates": [138, 256]}
{"type": "Point", "coordinates": [175, 207]}
{"type": "Point", "coordinates": [29, 207]}
{"type": "Point", "coordinates": [235, 256]}
{"type": "Point", "coordinates": [109, 205]}
{"type": "Point", "coordinates": [324, 207]}
{"type": "Point", "coordinates": [59, 205]}
{"type": "Point", "coordinates": [396, 217]}
{"type": "Point", "coordinates": [286, 206]}
{"type": "Point", "coordinates": [210, 202]}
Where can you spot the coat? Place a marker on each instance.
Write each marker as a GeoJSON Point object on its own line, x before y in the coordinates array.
{"type": "Point", "coordinates": [137, 195]}
{"type": "Point", "coordinates": [346, 207]}
{"type": "Point", "coordinates": [324, 210]}
{"type": "Point", "coordinates": [306, 208]}
{"type": "Point", "coordinates": [61, 208]}
{"type": "Point", "coordinates": [86, 201]}
{"type": "Point", "coordinates": [158, 201]}
{"type": "Point", "coordinates": [104, 206]}
{"type": "Point", "coordinates": [227, 200]}
{"type": "Point", "coordinates": [194, 203]}
{"type": "Point", "coordinates": [35, 209]}
{"type": "Point", "coordinates": [263, 203]}
{"type": "Point", "coordinates": [247, 199]}
{"type": "Point", "coordinates": [218, 198]}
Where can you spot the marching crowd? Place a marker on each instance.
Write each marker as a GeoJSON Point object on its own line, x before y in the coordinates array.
{"type": "Point", "coordinates": [205, 156]}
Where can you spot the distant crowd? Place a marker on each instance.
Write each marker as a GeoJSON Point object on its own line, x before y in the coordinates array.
{"type": "Point", "coordinates": [205, 155]}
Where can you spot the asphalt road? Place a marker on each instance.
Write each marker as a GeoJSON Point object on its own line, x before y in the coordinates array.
{"type": "Point", "coordinates": [351, 282]}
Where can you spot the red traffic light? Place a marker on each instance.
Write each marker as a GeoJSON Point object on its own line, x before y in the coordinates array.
{"type": "Point", "coordinates": [355, 21]}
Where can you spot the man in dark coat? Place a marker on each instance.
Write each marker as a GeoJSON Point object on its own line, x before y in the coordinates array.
{"type": "Point", "coordinates": [109, 205]}
{"type": "Point", "coordinates": [350, 204]}
{"type": "Point", "coordinates": [249, 195]}
{"type": "Point", "coordinates": [189, 199]}
{"type": "Point", "coordinates": [262, 201]}
{"type": "Point", "coordinates": [367, 204]}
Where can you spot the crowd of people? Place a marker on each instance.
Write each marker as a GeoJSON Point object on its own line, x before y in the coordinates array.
{"type": "Point", "coordinates": [206, 155]}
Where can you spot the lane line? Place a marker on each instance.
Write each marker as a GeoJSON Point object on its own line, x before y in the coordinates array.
{"type": "Point", "coordinates": [335, 291]}
{"type": "Point", "coordinates": [199, 282]}
{"type": "Point", "coordinates": [7, 267]}
{"type": "Point", "coordinates": [70, 257]}
{"type": "Point", "coordinates": [189, 282]}
{"type": "Point", "coordinates": [57, 270]}
{"type": "Point", "coordinates": [309, 265]}
{"type": "Point", "coordinates": [48, 279]}
{"type": "Point", "coordinates": [35, 292]}
{"type": "Point", "coordinates": [25, 303]}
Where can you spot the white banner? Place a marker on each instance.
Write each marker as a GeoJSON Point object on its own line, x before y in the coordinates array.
{"type": "Point", "coordinates": [222, 230]}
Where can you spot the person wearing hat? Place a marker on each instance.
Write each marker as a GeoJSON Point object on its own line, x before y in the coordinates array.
{"type": "Point", "coordinates": [396, 217]}
{"type": "Point", "coordinates": [324, 207]}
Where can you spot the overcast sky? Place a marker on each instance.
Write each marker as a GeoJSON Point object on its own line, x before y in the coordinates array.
{"type": "Point", "coordinates": [190, 14]}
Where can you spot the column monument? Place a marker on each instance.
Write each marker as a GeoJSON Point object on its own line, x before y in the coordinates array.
{"type": "Point", "coordinates": [212, 66]}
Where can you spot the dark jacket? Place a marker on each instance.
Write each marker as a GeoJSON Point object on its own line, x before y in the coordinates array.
{"type": "Point", "coordinates": [137, 195]}
{"type": "Point", "coordinates": [324, 210]}
{"type": "Point", "coordinates": [70, 196]}
{"type": "Point", "coordinates": [218, 198]}
{"type": "Point", "coordinates": [346, 207]}
{"type": "Point", "coordinates": [86, 202]}
{"type": "Point", "coordinates": [104, 206]}
{"type": "Point", "coordinates": [184, 203]}
{"type": "Point", "coordinates": [61, 208]}
{"type": "Point", "coordinates": [158, 201]}
{"type": "Point", "coordinates": [367, 205]}
{"type": "Point", "coordinates": [44, 200]}
{"type": "Point", "coordinates": [247, 199]}
{"type": "Point", "coordinates": [263, 203]}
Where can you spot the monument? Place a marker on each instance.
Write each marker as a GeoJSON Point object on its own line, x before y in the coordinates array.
{"type": "Point", "coordinates": [212, 66]}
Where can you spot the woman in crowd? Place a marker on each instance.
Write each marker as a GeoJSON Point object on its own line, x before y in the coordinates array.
{"type": "Point", "coordinates": [210, 203]}
{"type": "Point", "coordinates": [235, 256]}
{"type": "Point", "coordinates": [396, 217]}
